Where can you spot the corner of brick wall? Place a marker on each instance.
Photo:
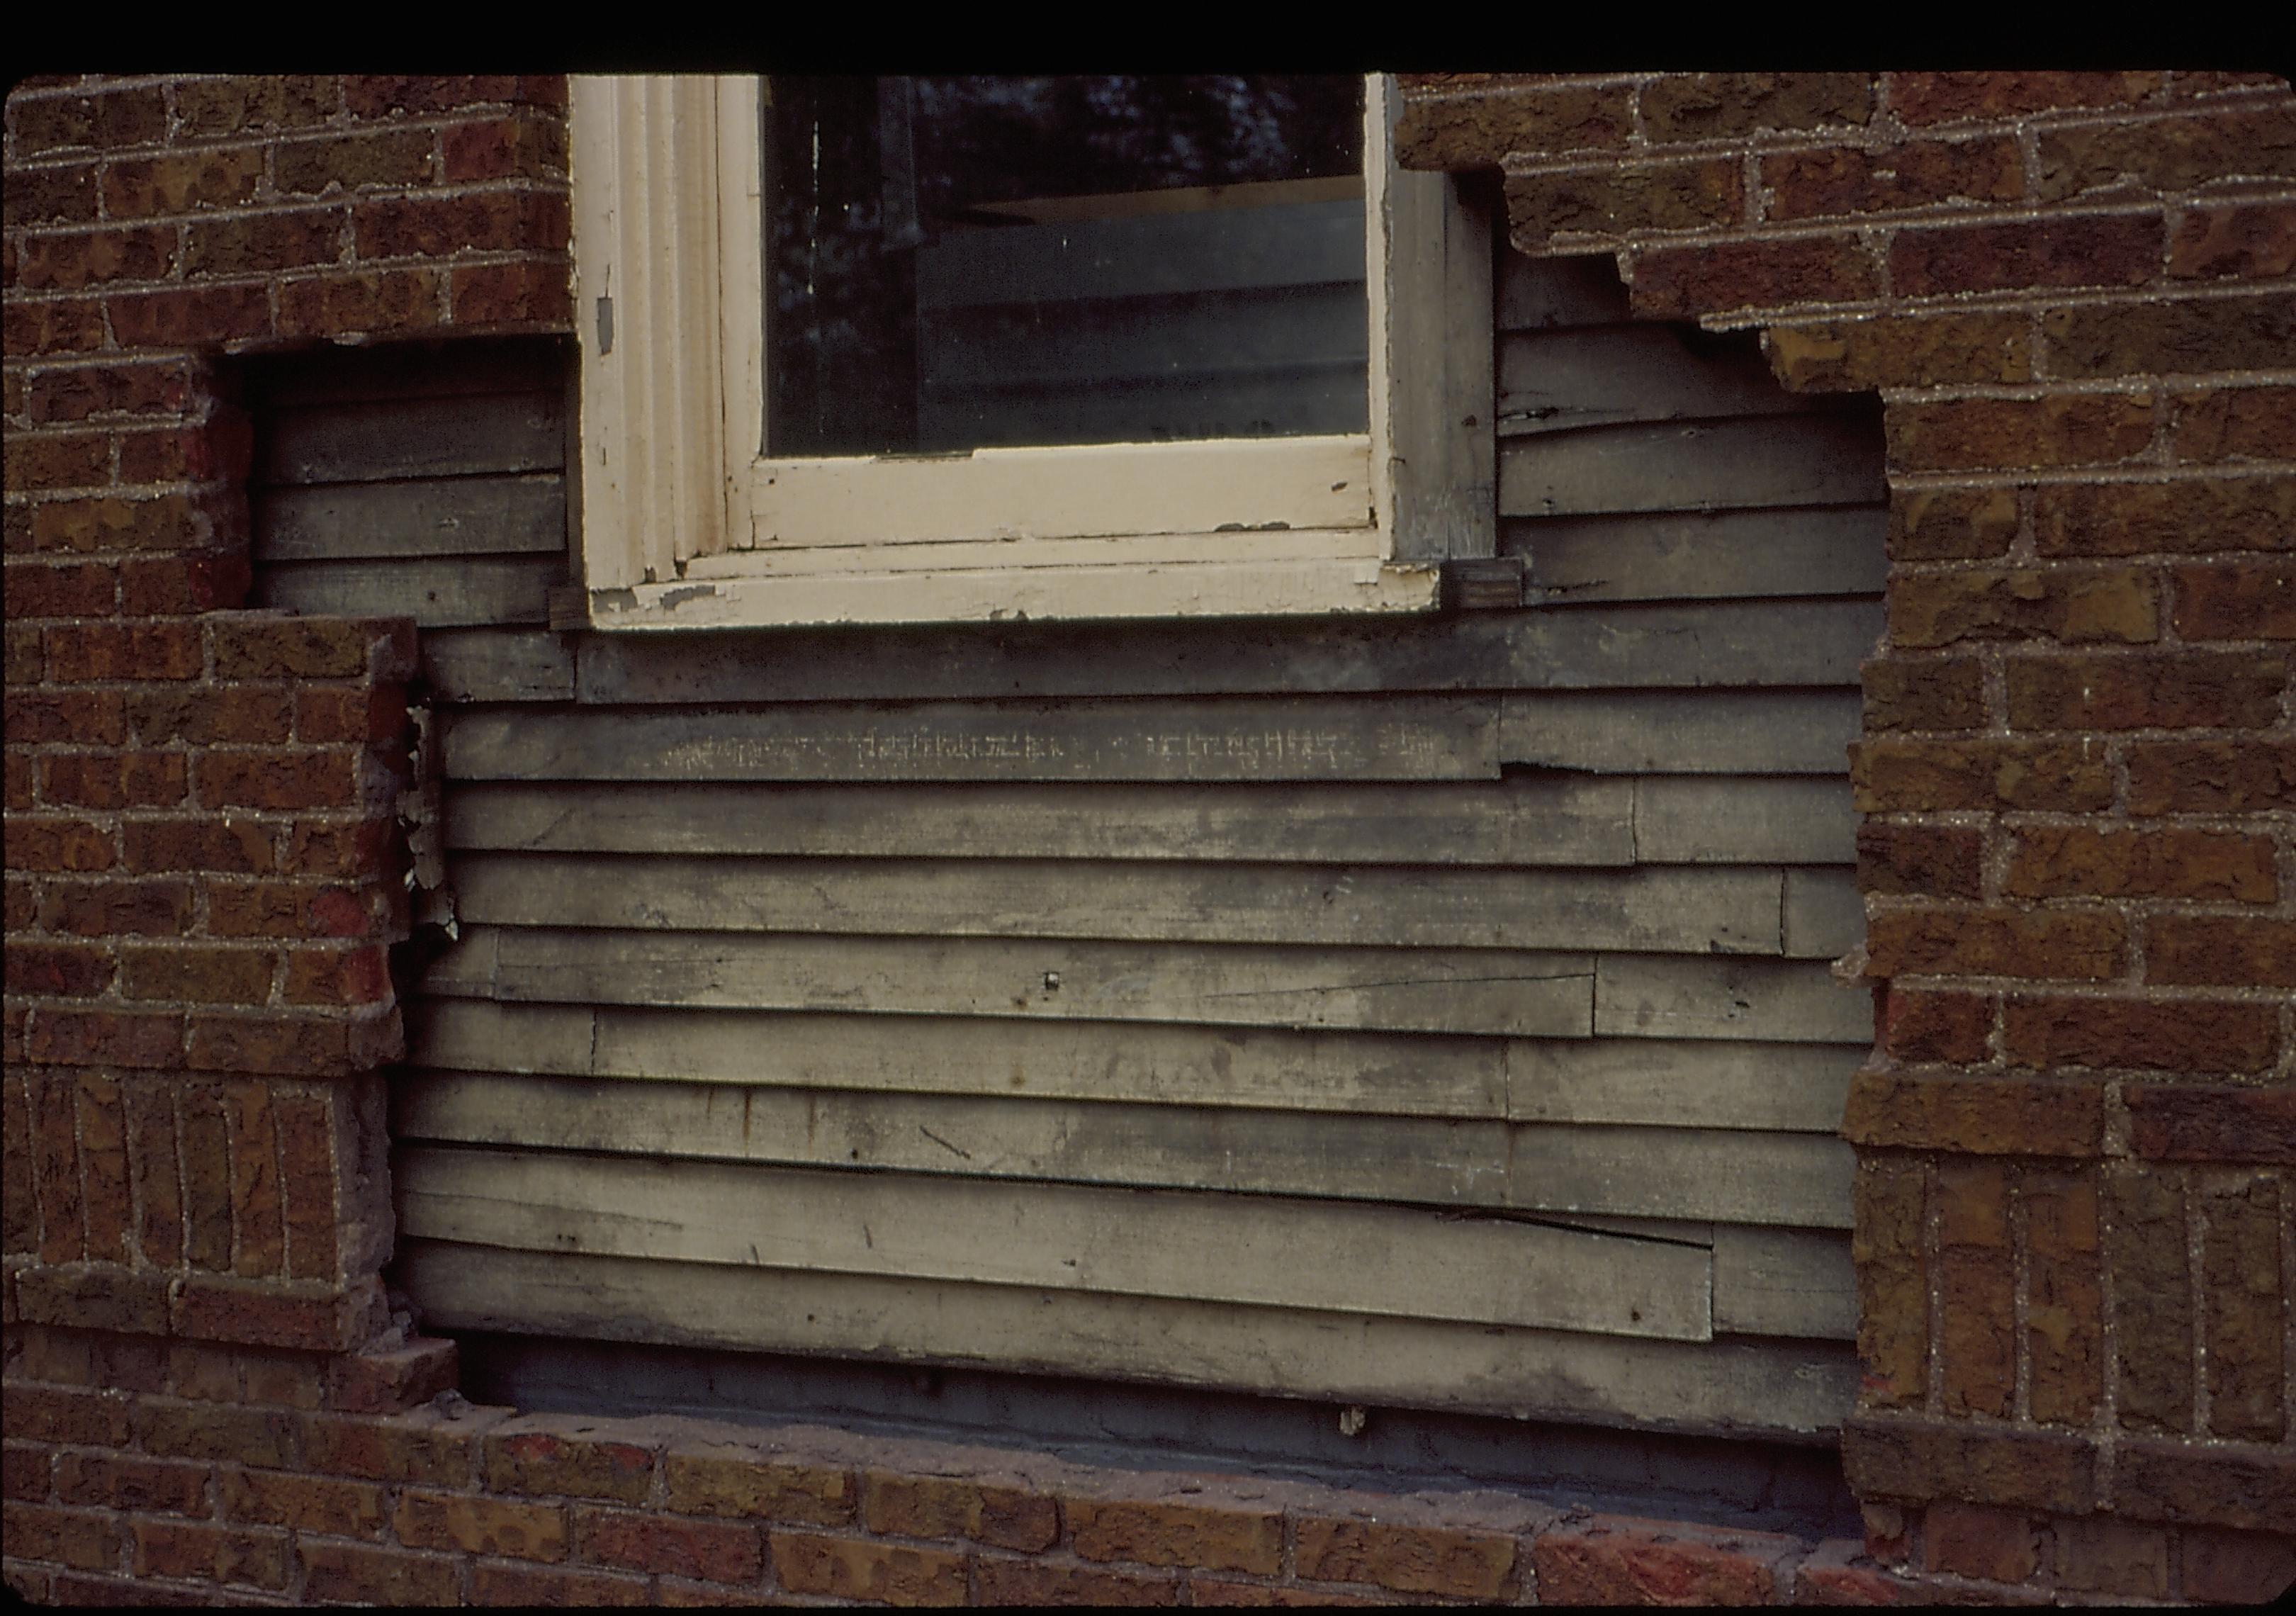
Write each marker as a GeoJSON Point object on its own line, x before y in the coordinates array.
{"type": "Point", "coordinates": [2074, 295]}
{"type": "Point", "coordinates": [204, 868]}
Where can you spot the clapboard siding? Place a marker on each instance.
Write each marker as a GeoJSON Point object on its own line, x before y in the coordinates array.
{"type": "Point", "coordinates": [1435, 1011]}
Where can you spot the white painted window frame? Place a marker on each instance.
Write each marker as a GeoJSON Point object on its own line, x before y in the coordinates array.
{"type": "Point", "coordinates": [686, 522]}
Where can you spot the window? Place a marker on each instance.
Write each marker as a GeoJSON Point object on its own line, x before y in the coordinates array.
{"type": "Point", "coordinates": [733, 476]}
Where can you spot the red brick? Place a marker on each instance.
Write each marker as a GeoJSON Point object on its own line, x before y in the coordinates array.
{"type": "Point", "coordinates": [719, 1479]}
{"type": "Point", "coordinates": [1838, 1572]}
{"type": "Point", "coordinates": [209, 976]}
{"type": "Point", "coordinates": [2015, 1116]}
{"type": "Point", "coordinates": [263, 645]}
{"type": "Point", "coordinates": [1220, 1591]}
{"type": "Point", "coordinates": [207, 1176]}
{"type": "Point", "coordinates": [254, 244]}
{"type": "Point", "coordinates": [1935, 98]}
{"type": "Point", "coordinates": [1617, 200]}
{"type": "Point", "coordinates": [189, 316]}
{"type": "Point", "coordinates": [2065, 943]}
{"type": "Point", "coordinates": [352, 1573]}
{"type": "Point", "coordinates": [129, 387]}
{"type": "Point", "coordinates": [2167, 154]}
{"type": "Point", "coordinates": [435, 227]}
{"type": "Point", "coordinates": [362, 301]}
{"type": "Point", "coordinates": [546, 1461]}
{"type": "Point", "coordinates": [848, 1568]}
{"type": "Point", "coordinates": [1933, 861]}
{"type": "Point", "coordinates": [1709, 106]}
{"type": "Point", "coordinates": [1918, 776]}
{"type": "Point", "coordinates": [482, 1526]}
{"type": "Point", "coordinates": [371, 714]}
{"type": "Point", "coordinates": [59, 194]}
{"type": "Point", "coordinates": [58, 845]}
{"type": "Point", "coordinates": [375, 1380]}
{"type": "Point", "coordinates": [191, 1429]}
{"type": "Point", "coordinates": [506, 148]}
{"type": "Point", "coordinates": [1473, 129]}
{"type": "Point", "coordinates": [112, 1481]}
{"type": "Point", "coordinates": [1617, 1560]}
{"type": "Point", "coordinates": [944, 1507]}
{"type": "Point", "coordinates": [1923, 1025]}
{"type": "Point", "coordinates": [532, 292]}
{"type": "Point", "coordinates": [343, 1509]}
{"type": "Point", "coordinates": [402, 1448]}
{"type": "Point", "coordinates": [2251, 240]}
{"type": "Point", "coordinates": [354, 976]}
{"type": "Point", "coordinates": [151, 1157]}
{"type": "Point", "coordinates": [74, 262]}
{"type": "Point", "coordinates": [2163, 336]}
{"type": "Point", "coordinates": [96, 716]}
{"type": "Point", "coordinates": [237, 846]}
{"type": "Point", "coordinates": [114, 780]}
{"type": "Point", "coordinates": [259, 1244]}
{"type": "Point", "coordinates": [1927, 694]}
{"type": "Point", "coordinates": [1007, 1581]}
{"type": "Point", "coordinates": [87, 651]}
{"type": "Point", "coordinates": [2235, 423]}
{"type": "Point", "coordinates": [74, 589]}
{"type": "Point", "coordinates": [109, 1593]}
{"type": "Point", "coordinates": [2063, 1313]}
{"type": "Point", "coordinates": [24, 1472]}
{"type": "Point", "coordinates": [533, 1585]}
{"type": "Point", "coordinates": [713, 1551]}
{"type": "Point", "coordinates": [2254, 601]}
{"type": "Point", "coordinates": [2213, 1123]}
{"type": "Point", "coordinates": [2192, 690]}
{"type": "Point", "coordinates": [2081, 861]}
{"type": "Point", "coordinates": [103, 1038]}
{"type": "Point", "coordinates": [1681, 282]}
{"type": "Point", "coordinates": [117, 909]}
{"type": "Point", "coordinates": [2237, 1568]}
{"type": "Point", "coordinates": [2058, 429]}
{"type": "Point", "coordinates": [73, 1538]}
{"type": "Point", "coordinates": [280, 1045]}
{"type": "Point", "coordinates": [313, 1318]}
{"type": "Point", "coordinates": [60, 970]}
{"type": "Point", "coordinates": [2212, 776]}
{"type": "Point", "coordinates": [2180, 1034]}
{"type": "Point", "coordinates": [2133, 518]}
{"type": "Point", "coordinates": [1440, 1560]}
{"type": "Point", "coordinates": [382, 94]}
{"type": "Point", "coordinates": [254, 102]}
{"type": "Point", "coordinates": [103, 1167]}
{"type": "Point", "coordinates": [2098, 249]}
{"type": "Point", "coordinates": [1908, 1456]}
{"type": "Point", "coordinates": [2147, 1260]}
{"type": "Point", "coordinates": [59, 1414]}
{"type": "Point", "coordinates": [177, 585]}
{"type": "Point", "coordinates": [96, 1295]}
{"type": "Point", "coordinates": [116, 522]}
{"type": "Point", "coordinates": [188, 1549]}
{"type": "Point", "coordinates": [1919, 174]}
{"type": "Point", "coordinates": [2241, 1293]}
{"type": "Point", "coordinates": [1973, 1541]}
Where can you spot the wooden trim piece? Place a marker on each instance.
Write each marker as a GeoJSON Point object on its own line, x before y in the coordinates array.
{"type": "Point", "coordinates": [1798, 1389]}
{"type": "Point", "coordinates": [1331, 1255]}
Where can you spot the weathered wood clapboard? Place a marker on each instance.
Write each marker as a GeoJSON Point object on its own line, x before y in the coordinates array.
{"type": "Point", "coordinates": [1432, 1013]}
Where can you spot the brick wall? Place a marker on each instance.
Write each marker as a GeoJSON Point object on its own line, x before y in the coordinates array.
{"type": "Point", "coordinates": [2073, 294]}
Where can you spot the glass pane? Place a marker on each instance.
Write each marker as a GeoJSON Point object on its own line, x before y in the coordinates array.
{"type": "Point", "coordinates": [962, 262]}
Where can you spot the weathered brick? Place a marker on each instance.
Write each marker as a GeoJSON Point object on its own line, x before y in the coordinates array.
{"type": "Point", "coordinates": [482, 1526]}
{"type": "Point", "coordinates": [345, 976]}
{"type": "Point", "coordinates": [2168, 153]}
{"type": "Point", "coordinates": [114, 1480]}
{"type": "Point", "coordinates": [2242, 1308]}
{"type": "Point", "coordinates": [2063, 1313]}
{"type": "Point", "coordinates": [2235, 423]}
{"type": "Point", "coordinates": [2248, 1489]}
{"type": "Point", "coordinates": [2181, 1035]}
{"type": "Point", "coordinates": [58, 845]}
{"type": "Point", "coordinates": [2081, 861]}
{"type": "Point", "coordinates": [77, 392]}
{"type": "Point", "coordinates": [2212, 776]}
{"type": "Point", "coordinates": [433, 1454]}
{"type": "Point", "coordinates": [531, 1584]}
{"type": "Point", "coordinates": [1918, 174]}
{"type": "Point", "coordinates": [52, 193]}
{"type": "Point", "coordinates": [96, 1295]}
{"type": "Point", "coordinates": [317, 166]}
{"type": "Point", "coordinates": [117, 909]}
{"type": "Point", "coordinates": [255, 242]}
{"type": "Point", "coordinates": [2078, 944]}
{"type": "Point", "coordinates": [284, 1045]}
{"type": "Point", "coordinates": [254, 102]}
{"type": "Point", "coordinates": [532, 292]}
{"type": "Point", "coordinates": [87, 1540]}
{"type": "Point", "coordinates": [1442, 1560]}
{"type": "Point", "coordinates": [1936, 98]}
{"type": "Point", "coordinates": [81, 653]}
{"type": "Point", "coordinates": [1977, 1337]}
{"type": "Point", "coordinates": [1620, 201]}
{"type": "Point", "coordinates": [721, 1479]}
{"type": "Point", "coordinates": [2231, 951]}
{"type": "Point", "coordinates": [1908, 1456]}
{"type": "Point", "coordinates": [525, 147]}
{"type": "Point", "coordinates": [2014, 1116]}
{"type": "Point", "coordinates": [1002, 1580]}
{"type": "Point", "coordinates": [72, 589]}
{"type": "Point", "coordinates": [74, 262]}
{"type": "Point", "coordinates": [89, 716]}
{"type": "Point", "coordinates": [189, 316]}
{"type": "Point", "coordinates": [58, 970]}
{"type": "Point", "coordinates": [1931, 861]}
{"type": "Point", "coordinates": [1903, 694]}
{"type": "Point", "coordinates": [2058, 429]}
{"type": "Point", "coordinates": [115, 780]}
{"type": "Point", "coordinates": [1919, 1026]}
{"type": "Point", "coordinates": [486, 221]}
{"type": "Point", "coordinates": [1617, 1560]}
{"type": "Point", "coordinates": [239, 846]}
{"type": "Point", "coordinates": [1893, 1284]}
{"type": "Point", "coordinates": [547, 1461]}
{"type": "Point", "coordinates": [2188, 1121]}
{"type": "Point", "coordinates": [117, 522]}
{"type": "Point", "coordinates": [64, 1414]}
{"type": "Point", "coordinates": [1681, 282]}
{"type": "Point", "coordinates": [2237, 1568]}
{"type": "Point", "coordinates": [2246, 601]}
{"type": "Point", "coordinates": [2190, 690]}
{"type": "Point", "coordinates": [104, 1037]}
{"type": "Point", "coordinates": [202, 975]}
{"type": "Point", "coordinates": [713, 1551]}
{"type": "Point", "coordinates": [1852, 356]}
{"type": "Point", "coordinates": [353, 1573]}
{"type": "Point", "coordinates": [2146, 1262]}
{"type": "Point", "coordinates": [2248, 239]}
{"type": "Point", "coordinates": [1476, 128]}
{"type": "Point", "coordinates": [1971, 1540]}
{"type": "Point", "coordinates": [1917, 776]}
{"type": "Point", "coordinates": [1173, 1532]}
{"type": "Point", "coordinates": [1712, 106]}
{"type": "Point", "coordinates": [189, 1549]}
{"type": "Point", "coordinates": [2163, 337]}
{"type": "Point", "coordinates": [2096, 249]}
{"type": "Point", "coordinates": [362, 301]}
{"type": "Point", "coordinates": [24, 1471]}
{"type": "Point", "coordinates": [944, 1507]}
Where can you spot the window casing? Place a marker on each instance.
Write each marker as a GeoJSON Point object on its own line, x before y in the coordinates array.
{"type": "Point", "coordinates": [688, 521]}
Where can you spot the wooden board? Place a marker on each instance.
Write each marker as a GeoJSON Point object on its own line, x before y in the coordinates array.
{"type": "Point", "coordinates": [1745, 643]}
{"type": "Point", "coordinates": [339, 374]}
{"type": "Point", "coordinates": [1373, 1073]}
{"type": "Point", "coordinates": [434, 516]}
{"type": "Point", "coordinates": [1824, 916]}
{"type": "Point", "coordinates": [497, 665]}
{"type": "Point", "coordinates": [1782, 732]}
{"type": "Point", "coordinates": [1725, 1388]}
{"type": "Point", "coordinates": [1427, 1160]}
{"type": "Point", "coordinates": [1395, 738]}
{"type": "Point", "coordinates": [1372, 989]}
{"type": "Point", "coordinates": [1554, 820]}
{"type": "Point", "coordinates": [1784, 1281]}
{"type": "Point", "coordinates": [1785, 460]}
{"type": "Point", "coordinates": [387, 439]}
{"type": "Point", "coordinates": [1789, 1087]}
{"type": "Point", "coordinates": [1784, 1001]}
{"type": "Point", "coordinates": [1702, 555]}
{"type": "Point", "coordinates": [454, 592]}
{"type": "Point", "coordinates": [1708, 909]}
{"type": "Point", "coordinates": [1563, 380]}
{"type": "Point", "coordinates": [1694, 819]}
{"type": "Point", "coordinates": [1268, 1250]}
{"type": "Point", "coordinates": [1737, 1176]}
